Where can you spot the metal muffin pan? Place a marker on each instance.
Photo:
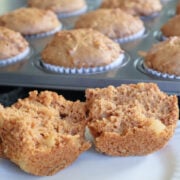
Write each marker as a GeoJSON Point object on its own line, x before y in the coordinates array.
{"type": "Point", "coordinates": [29, 72]}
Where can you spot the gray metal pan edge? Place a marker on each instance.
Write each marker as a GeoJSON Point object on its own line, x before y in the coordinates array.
{"type": "Point", "coordinates": [28, 73]}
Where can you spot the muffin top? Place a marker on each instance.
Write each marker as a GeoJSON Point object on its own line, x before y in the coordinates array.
{"type": "Point", "coordinates": [81, 48]}
{"type": "Point", "coordinates": [164, 56]}
{"type": "Point", "coordinates": [11, 43]}
{"type": "Point", "coordinates": [171, 27]}
{"type": "Point", "coordinates": [58, 6]}
{"type": "Point", "coordinates": [29, 21]}
{"type": "Point", "coordinates": [114, 23]}
{"type": "Point", "coordinates": [135, 7]}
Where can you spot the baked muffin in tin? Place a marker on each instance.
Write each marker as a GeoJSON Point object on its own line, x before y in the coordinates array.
{"type": "Point", "coordinates": [81, 51]}
{"type": "Point", "coordinates": [171, 27]}
{"type": "Point", "coordinates": [63, 8]}
{"type": "Point", "coordinates": [114, 23]}
{"type": "Point", "coordinates": [135, 7]}
{"type": "Point", "coordinates": [31, 22]}
{"type": "Point", "coordinates": [13, 46]}
{"type": "Point", "coordinates": [162, 60]}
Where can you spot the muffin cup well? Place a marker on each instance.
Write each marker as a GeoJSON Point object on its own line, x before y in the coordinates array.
{"type": "Point", "coordinates": [14, 59]}
{"type": "Point", "coordinates": [91, 70]}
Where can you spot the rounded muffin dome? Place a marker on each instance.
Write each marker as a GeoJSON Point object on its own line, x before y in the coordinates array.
{"type": "Point", "coordinates": [30, 21]}
{"type": "Point", "coordinates": [81, 48]}
{"type": "Point", "coordinates": [134, 7]}
{"type": "Point", "coordinates": [62, 8]}
{"type": "Point", "coordinates": [171, 27]}
{"type": "Point", "coordinates": [114, 23]}
{"type": "Point", "coordinates": [11, 43]}
{"type": "Point", "coordinates": [164, 57]}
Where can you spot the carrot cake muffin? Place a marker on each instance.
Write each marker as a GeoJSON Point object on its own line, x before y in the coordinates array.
{"type": "Point", "coordinates": [43, 133]}
{"type": "Point", "coordinates": [81, 51]}
{"type": "Point", "coordinates": [163, 58]}
{"type": "Point", "coordinates": [63, 8]}
{"type": "Point", "coordinates": [114, 23]}
{"type": "Point", "coordinates": [31, 21]}
{"type": "Point", "coordinates": [13, 47]}
{"type": "Point", "coordinates": [135, 7]}
{"type": "Point", "coordinates": [134, 119]}
{"type": "Point", "coordinates": [171, 27]}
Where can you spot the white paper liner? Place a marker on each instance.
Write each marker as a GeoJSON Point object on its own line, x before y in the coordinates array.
{"type": "Point", "coordinates": [163, 37]}
{"type": "Point", "coordinates": [159, 74]}
{"type": "Point", "coordinates": [132, 37]}
{"type": "Point", "coordinates": [100, 69]}
{"type": "Point", "coordinates": [151, 16]}
{"type": "Point", "coordinates": [15, 59]}
{"type": "Point", "coordinates": [73, 13]}
{"type": "Point", "coordinates": [41, 35]}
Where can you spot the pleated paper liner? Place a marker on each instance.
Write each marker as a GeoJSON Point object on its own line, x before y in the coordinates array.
{"type": "Point", "coordinates": [159, 74]}
{"type": "Point", "coordinates": [133, 37]}
{"type": "Point", "coordinates": [14, 59]}
{"type": "Point", "coordinates": [140, 65]}
{"type": "Point", "coordinates": [44, 34]}
{"type": "Point", "coordinates": [120, 62]}
{"type": "Point", "coordinates": [72, 13]}
{"type": "Point", "coordinates": [150, 17]}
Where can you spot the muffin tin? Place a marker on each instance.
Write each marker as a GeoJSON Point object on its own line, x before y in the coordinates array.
{"type": "Point", "coordinates": [30, 73]}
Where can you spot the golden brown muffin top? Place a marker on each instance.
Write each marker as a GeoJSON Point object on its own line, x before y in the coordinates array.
{"type": "Point", "coordinates": [30, 21]}
{"type": "Point", "coordinates": [171, 27]}
{"type": "Point", "coordinates": [11, 43]}
{"type": "Point", "coordinates": [113, 23]}
{"type": "Point", "coordinates": [135, 7]}
{"type": "Point", "coordinates": [164, 56]}
{"type": "Point", "coordinates": [81, 48]}
{"type": "Point", "coordinates": [58, 6]}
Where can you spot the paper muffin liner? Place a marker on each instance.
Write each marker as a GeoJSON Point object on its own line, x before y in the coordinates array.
{"type": "Point", "coordinates": [159, 74]}
{"type": "Point", "coordinates": [92, 70]}
{"type": "Point", "coordinates": [73, 13]}
{"type": "Point", "coordinates": [151, 16]}
{"type": "Point", "coordinates": [131, 37]}
{"type": "Point", "coordinates": [163, 37]}
{"type": "Point", "coordinates": [19, 57]}
{"type": "Point", "coordinates": [45, 34]}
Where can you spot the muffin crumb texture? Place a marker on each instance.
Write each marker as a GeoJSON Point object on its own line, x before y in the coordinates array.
{"type": "Point", "coordinates": [135, 119]}
{"type": "Point", "coordinates": [43, 133]}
